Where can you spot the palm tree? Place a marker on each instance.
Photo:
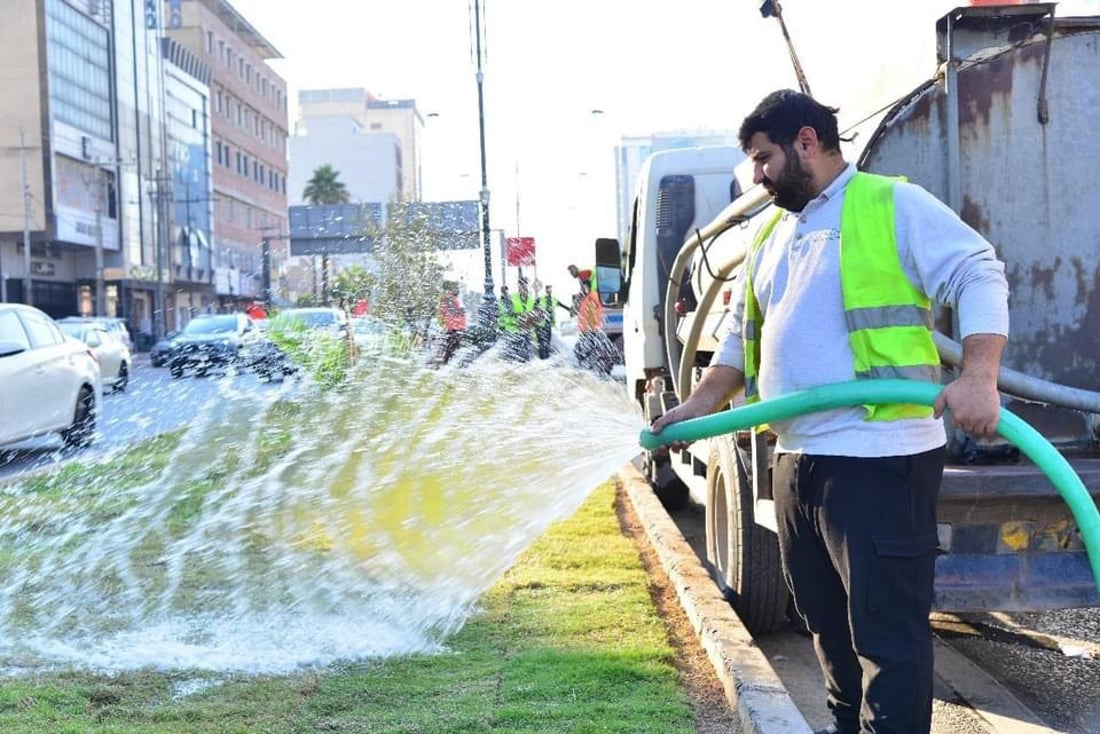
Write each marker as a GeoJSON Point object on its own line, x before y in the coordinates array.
{"type": "Point", "coordinates": [325, 188]}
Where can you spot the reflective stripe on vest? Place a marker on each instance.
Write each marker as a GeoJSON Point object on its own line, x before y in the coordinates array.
{"type": "Point", "coordinates": [889, 320]}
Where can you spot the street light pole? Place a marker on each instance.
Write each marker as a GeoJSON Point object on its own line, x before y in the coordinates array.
{"type": "Point", "coordinates": [488, 311]}
{"type": "Point", "coordinates": [27, 297]}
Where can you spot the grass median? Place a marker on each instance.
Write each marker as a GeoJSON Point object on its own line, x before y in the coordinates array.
{"type": "Point", "coordinates": [568, 640]}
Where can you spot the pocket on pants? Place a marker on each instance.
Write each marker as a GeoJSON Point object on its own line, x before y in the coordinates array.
{"type": "Point", "coordinates": [902, 572]}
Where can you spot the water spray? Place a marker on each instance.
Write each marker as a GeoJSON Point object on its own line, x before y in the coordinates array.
{"type": "Point", "coordinates": [876, 392]}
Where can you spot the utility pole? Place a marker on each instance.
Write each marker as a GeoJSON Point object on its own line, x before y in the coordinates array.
{"type": "Point", "coordinates": [160, 193]}
{"type": "Point", "coordinates": [265, 257]}
{"type": "Point", "coordinates": [27, 297]}
{"type": "Point", "coordinates": [100, 295]}
{"type": "Point", "coordinates": [488, 310]}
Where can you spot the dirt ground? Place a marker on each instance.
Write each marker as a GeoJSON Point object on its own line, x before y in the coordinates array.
{"type": "Point", "coordinates": [708, 699]}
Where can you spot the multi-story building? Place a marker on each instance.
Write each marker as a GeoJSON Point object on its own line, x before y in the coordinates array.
{"type": "Point", "coordinates": [375, 116]}
{"type": "Point", "coordinates": [369, 165]}
{"type": "Point", "coordinates": [79, 124]}
{"type": "Point", "coordinates": [190, 221]}
{"type": "Point", "coordinates": [249, 143]}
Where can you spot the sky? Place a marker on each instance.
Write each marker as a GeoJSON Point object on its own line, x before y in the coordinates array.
{"type": "Point", "coordinates": [649, 66]}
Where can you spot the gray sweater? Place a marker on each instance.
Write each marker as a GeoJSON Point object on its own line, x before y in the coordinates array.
{"type": "Point", "coordinates": [804, 341]}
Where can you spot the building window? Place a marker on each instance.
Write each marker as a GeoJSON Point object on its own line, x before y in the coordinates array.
{"type": "Point", "coordinates": [78, 62]}
{"type": "Point", "coordinates": [210, 42]}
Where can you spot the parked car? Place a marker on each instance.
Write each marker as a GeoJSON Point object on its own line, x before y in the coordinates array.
{"type": "Point", "coordinates": [48, 382]}
{"type": "Point", "coordinates": [369, 332]}
{"type": "Point", "coordinates": [113, 356]}
{"type": "Point", "coordinates": [161, 352]}
{"type": "Point", "coordinates": [323, 319]}
{"type": "Point", "coordinates": [318, 317]}
{"type": "Point", "coordinates": [115, 326]}
{"type": "Point", "coordinates": [265, 358]}
{"type": "Point", "coordinates": [211, 341]}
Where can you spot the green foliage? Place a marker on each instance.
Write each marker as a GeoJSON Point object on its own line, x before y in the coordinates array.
{"type": "Point", "coordinates": [410, 279]}
{"type": "Point", "coordinates": [352, 284]}
{"type": "Point", "coordinates": [324, 187]}
{"type": "Point", "coordinates": [320, 353]}
{"type": "Point", "coordinates": [567, 641]}
{"type": "Point", "coordinates": [305, 300]}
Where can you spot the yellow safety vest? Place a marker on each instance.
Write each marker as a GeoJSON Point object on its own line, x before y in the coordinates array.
{"type": "Point", "coordinates": [509, 320]}
{"type": "Point", "coordinates": [547, 304]}
{"type": "Point", "coordinates": [889, 320]}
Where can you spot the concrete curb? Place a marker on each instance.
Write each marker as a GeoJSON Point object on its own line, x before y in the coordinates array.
{"type": "Point", "coordinates": [752, 686]}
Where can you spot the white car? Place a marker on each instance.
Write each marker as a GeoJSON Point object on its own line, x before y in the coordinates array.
{"type": "Point", "coordinates": [48, 382]}
{"type": "Point", "coordinates": [115, 327]}
{"type": "Point", "coordinates": [112, 354]}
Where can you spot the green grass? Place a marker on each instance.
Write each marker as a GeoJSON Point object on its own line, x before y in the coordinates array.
{"type": "Point", "coordinates": [567, 641]}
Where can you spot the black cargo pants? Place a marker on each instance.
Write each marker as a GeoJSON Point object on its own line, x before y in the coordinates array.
{"type": "Point", "coordinates": [858, 542]}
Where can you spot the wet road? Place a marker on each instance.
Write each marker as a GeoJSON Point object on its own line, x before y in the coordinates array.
{"type": "Point", "coordinates": [153, 403]}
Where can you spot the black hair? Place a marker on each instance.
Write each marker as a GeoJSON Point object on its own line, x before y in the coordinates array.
{"type": "Point", "coordinates": [783, 113]}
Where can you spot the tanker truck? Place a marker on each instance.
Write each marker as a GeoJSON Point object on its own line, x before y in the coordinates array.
{"type": "Point", "coordinates": [998, 135]}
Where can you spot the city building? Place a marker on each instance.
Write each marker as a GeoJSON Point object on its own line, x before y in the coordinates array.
{"type": "Point", "coordinates": [79, 142]}
{"type": "Point", "coordinates": [190, 220]}
{"type": "Point", "coordinates": [249, 148]}
{"type": "Point", "coordinates": [633, 151]}
{"type": "Point", "coordinates": [397, 117]}
{"type": "Point", "coordinates": [369, 165]}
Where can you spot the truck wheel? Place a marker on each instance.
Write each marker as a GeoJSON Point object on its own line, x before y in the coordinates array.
{"type": "Point", "coordinates": [668, 487]}
{"type": "Point", "coordinates": [743, 556]}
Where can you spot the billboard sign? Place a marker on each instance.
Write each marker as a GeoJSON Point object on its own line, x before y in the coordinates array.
{"type": "Point", "coordinates": [334, 229]}
{"type": "Point", "coordinates": [449, 225]}
{"type": "Point", "coordinates": [520, 251]}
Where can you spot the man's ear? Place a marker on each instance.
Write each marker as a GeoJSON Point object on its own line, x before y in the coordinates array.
{"type": "Point", "coordinates": [806, 142]}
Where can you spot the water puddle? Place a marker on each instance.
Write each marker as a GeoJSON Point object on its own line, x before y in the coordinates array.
{"type": "Point", "coordinates": [296, 527]}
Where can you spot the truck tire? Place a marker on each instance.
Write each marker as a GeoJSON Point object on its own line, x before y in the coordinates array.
{"type": "Point", "coordinates": [743, 557]}
{"type": "Point", "coordinates": [668, 487]}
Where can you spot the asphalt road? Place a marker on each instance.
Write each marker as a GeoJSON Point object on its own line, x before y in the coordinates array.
{"type": "Point", "coordinates": [153, 403]}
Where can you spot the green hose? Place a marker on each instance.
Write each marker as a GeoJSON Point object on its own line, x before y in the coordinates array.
{"type": "Point", "coordinates": [875, 392]}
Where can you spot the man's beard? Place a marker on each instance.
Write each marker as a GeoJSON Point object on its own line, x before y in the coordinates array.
{"type": "Point", "coordinates": [794, 187]}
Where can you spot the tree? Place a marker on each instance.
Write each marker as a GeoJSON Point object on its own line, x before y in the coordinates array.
{"type": "Point", "coordinates": [410, 279]}
{"type": "Point", "coordinates": [353, 284]}
{"type": "Point", "coordinates": [325, 188]}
